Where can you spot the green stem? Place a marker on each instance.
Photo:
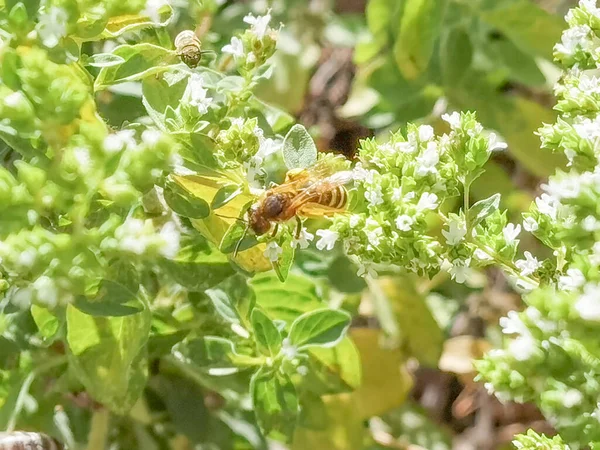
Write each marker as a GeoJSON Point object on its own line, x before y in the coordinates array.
{"type": "Point", "coordinates": [98, 435]}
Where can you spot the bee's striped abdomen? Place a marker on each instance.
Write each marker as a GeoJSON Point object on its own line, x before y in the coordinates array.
{"type": "Point", "coordinates": [20, 440]}
{"type": "Point", "coordinates": [334, 198]}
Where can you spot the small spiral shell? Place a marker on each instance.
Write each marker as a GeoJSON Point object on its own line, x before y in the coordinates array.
{"type": "Point", "coordinates": [21, 440]}
{"type": "Point", "coordinates": [189, 48]}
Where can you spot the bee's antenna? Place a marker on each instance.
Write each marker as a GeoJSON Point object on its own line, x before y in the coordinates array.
{"type": "Point", "coordinates": [237, 246]}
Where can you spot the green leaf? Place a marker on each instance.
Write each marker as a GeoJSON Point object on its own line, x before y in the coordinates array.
{"type": "Point", "coordinates": [283, 265]}
{"type": "Point", "coordinates": [183, 202]}
{"type": "Point", "coordinates": [275, 402]}
{"type": "Point", "coordinates": [108, 356]}
{"type": "Point", "coordinates": [482, 209]}
{"type": "Point", "coordinates": [104, 60]}
{"type": "Point", "coordinates": [112, 299]}
{"type": "Point", "coordinates": [18, 15]}
{"type": "Point", "coordinates": [456, 54]}
{"type": "Point", "coordinates": [515, 118]}
{"type": "Point", "coordinates": [267, 337]}
{"type": "Point", "coordinates": [288, 300]}
{"type": "Point", "coordinates": [237, 235]}
{"type": "Point", "coordinates": [325, 328]}
{"type": "Point", "coordinates": [521, 66]}
{"type": "Point", "coordinates": [419, 29]}
{"type": "Point", "coordinates": [225, 195]}
{"type": "Point", "coordinates": [158, 94]}
{"type": "Point", "coordinates": [212, 355]}
{"type": "Point", "coordinates": [418, 330]}
{"type": "Point", "coordinates": [47, 323]}
{"type": "Point", "coordinates": [299, 150]}
{"type": "Point", "coordinates": [333, 370]}
{"type": "Point", "coordinates": [342, 276]}
{"type": "Point", "coordinates": [527, 25]}
{"type": "Point", "coordinates": [118, 25]}
{"type": "Point", "coordinates": [140, 60]}
{"type": "Point", "coordinates": [199, 266]}
{"type": "Point", "coordinates": [233, 299]}
{"type": "Point", "coordinates": [379, 15]}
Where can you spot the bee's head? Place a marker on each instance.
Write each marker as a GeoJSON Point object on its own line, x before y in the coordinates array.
{"type": "Point", "coordinates": [257, 222]}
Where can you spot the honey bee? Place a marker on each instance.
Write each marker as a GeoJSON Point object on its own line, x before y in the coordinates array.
{"type": "Point", "coordinates": [20, 440]}
{"type": "Point", "coordinates": [189, 48]}
{"type": "Point", "coordinates": [305, 193]}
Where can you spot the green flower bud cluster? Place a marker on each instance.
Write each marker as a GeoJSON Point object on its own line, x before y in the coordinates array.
{"type": "Point", "coordinates": [255, 46]}
{"type": "Point", "coordinates": [401, 185]}
{"type": "Point", "coordinates": [553, 357]}
{"type": "Point", "coordinates": [71, 206]}
{"type": "Point", "coordinates": [533, 441]}
{"type": "Point", "coordinates": [238, 143]}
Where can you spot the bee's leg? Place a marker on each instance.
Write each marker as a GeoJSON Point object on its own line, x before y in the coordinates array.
{"type": "Point", "coordinates": [237, 245]}
{"type": "Point", "coordinates": [298, 227]}
{"type": "Point", "coordinates": [275, 230]}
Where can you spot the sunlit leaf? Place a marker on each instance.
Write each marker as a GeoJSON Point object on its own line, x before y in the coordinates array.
{"type": "Point", "coordinates": [322, 327]}
{"type": "Point", "coordinates": [268, 338]}
{"type": "Point", "coordinates": [419, 30]}
{"type": "Point", "coordinates": [107, 354]}
{"type": "Point", "coordinates": [275, 402]}
{"type": "Point", "coordinates": [299, 150]}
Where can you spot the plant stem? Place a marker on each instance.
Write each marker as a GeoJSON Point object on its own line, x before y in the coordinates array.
{"type": "Point", "coordinates": [97, 438]}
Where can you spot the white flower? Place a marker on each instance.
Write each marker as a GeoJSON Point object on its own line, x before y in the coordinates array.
{"type": "Point", "coordinates": [46, 291]}
{"type": "Point", "coordinates": [588, 304]}
{"type": "Point", "coordinates": [511, 232]}
{"type": "Point", "coordinates": [572, 398]}
{"type": "Point", "coordinates": [288, 350]}
{"type": "Point", "coordinates": [152, 9]}
{"type": "Point", "coordinates": [590, 223]}
{"type": "Point", "coordinates": [171, 236]}
{"type": "Point", "coordinates": [481, 255]}
{"type": "Point", "coordinates": [530, 224]}
{"type": "Point", "coordinates": [22, 298]}
{"type": "Point", "coordinates": [303, 240]}
{"type": "Point", "coordinates": [259, 24]}
{"type": "Point", "coordinates": [374, 196]}
{"type": "Point", "coordinates": [273, 251]}
{"type": "Point", "coordinates": [572, 38]}
{"type": "Point", "coordinates": [428, 160]}
{"type": "Point", "coordinates": [547, 205]}
{"type": "Point", "coordinates": [251, 58]}
{"type": "Point", "coordinates": [425, 133]}
{"type": "Point", "coordinates": [573, 280]}
{"type": "Point", "coordinates": [512, 324]}
{"type": "Point", "coordinates": [453, 119]}
{"type": "Point", "coordinates": [396, 194]}
{"type": "Point", "coordinates": [588, 128]}
{"type": "Point", "coordinates": [456, 232]}
{"type": "Point", "coordinates": [235, 47]}
{"type": "Point", "coordinates": [151, 137]}
{"type": "Point", "coordinates": [528, 265]}
{"type": "Point", "coordinates": [328, 239]}
{"type": "Point", "coordinates": [354, 220]}
{"type": "Point", "coordinates": [14, 99]}
{"type": "Point", "coordinates": [427, 201]}
{"type": "Point", "coordinates": [374, 235]}
{"type": "Point", "coordinates": [494, 144]}
{"type": "Point", "coordinates": [459, 270]}
{"type": "Point", "coordinates": [83, 158]}
{"type": "Point", "coordinates": [522, 348]}
{"type": "Point", "coordinates": [267, 147]}
{"type": "Point", "coordinates": [404, 222]}
{"type": "Point", "coordinates": [196, 93]}
{"type": "Point", "coordinates": [27, 258]}
{"type": "Point", "coordinates": [52, 26]}
{"type": "Point", "coordinates": [365, 268]}
{"type": "Point", "coordinates": [132, 236]}
{"type": "Point", "coordinates": [117, 141]}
